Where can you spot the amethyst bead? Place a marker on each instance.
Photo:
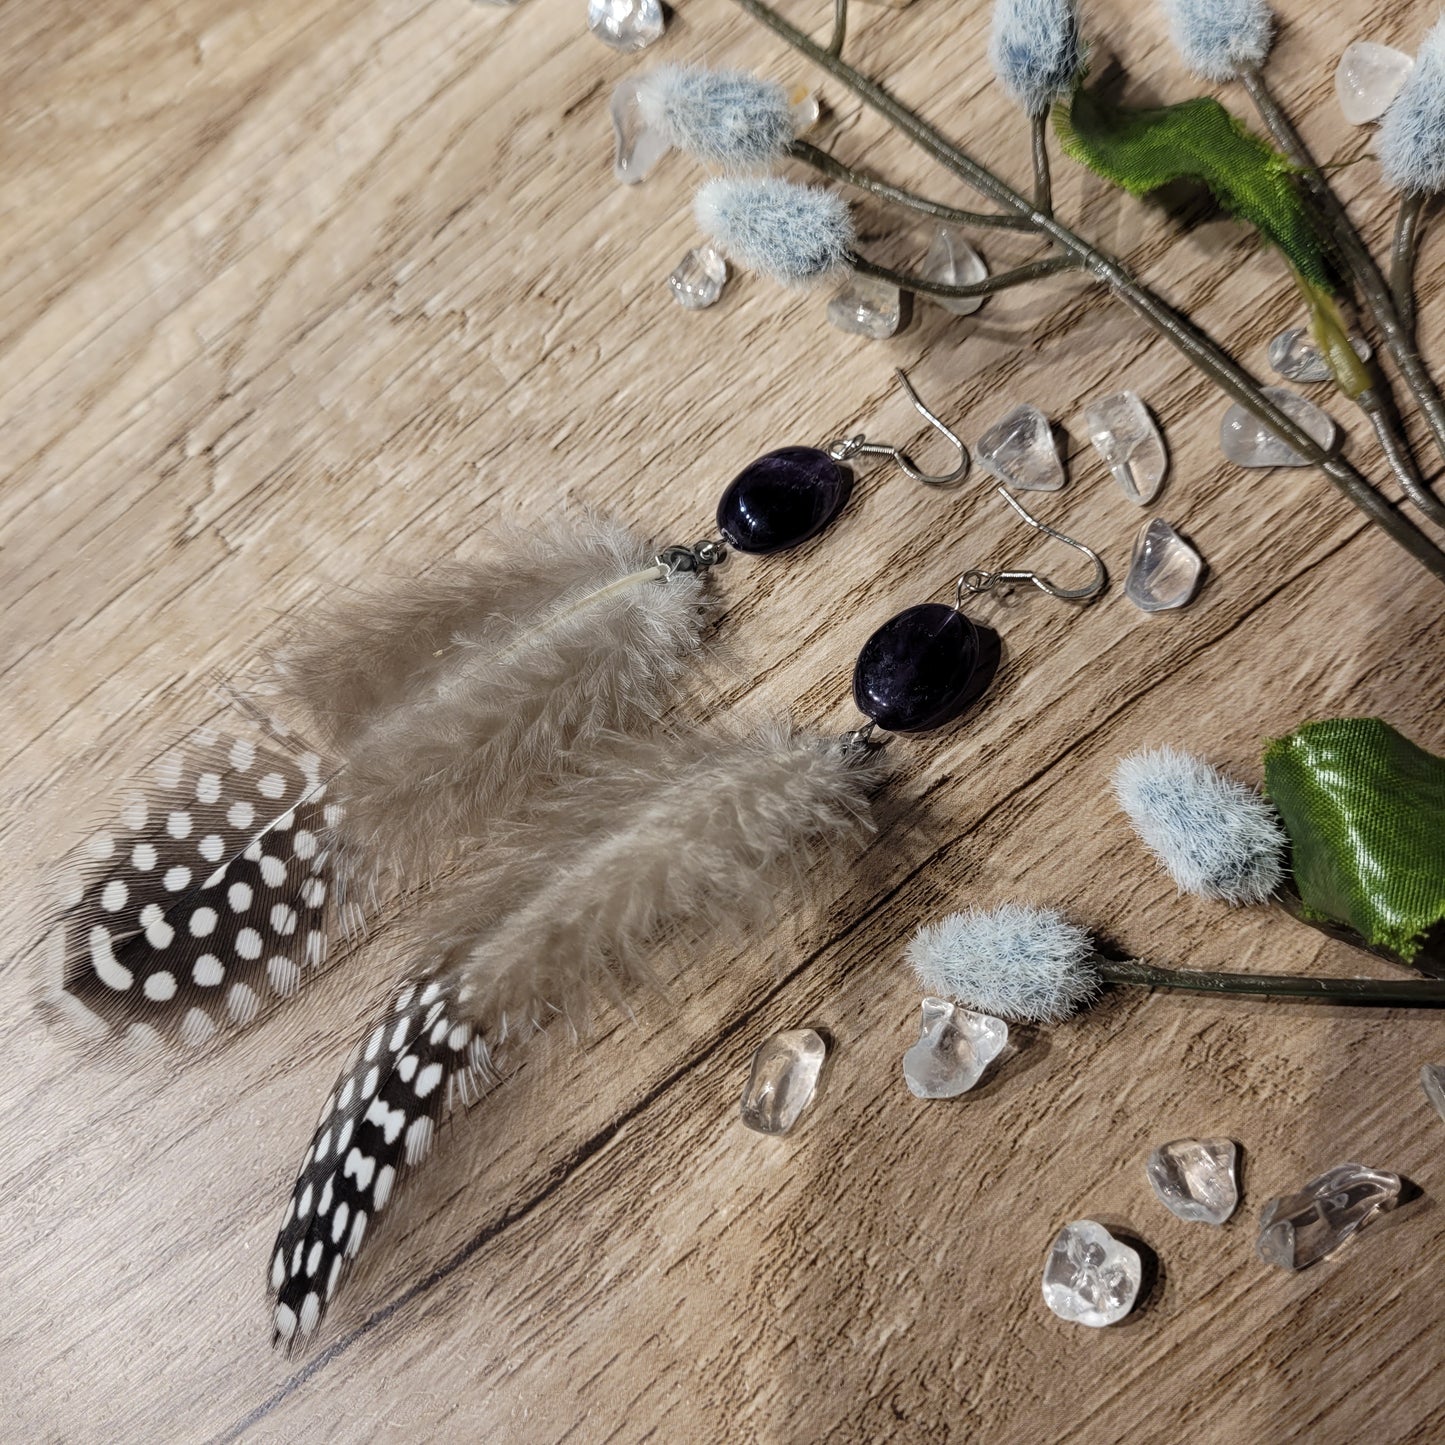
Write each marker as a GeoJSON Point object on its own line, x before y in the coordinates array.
{"type": "Point", "coordinates": [782, 499]}
{"type": "Point", "coordinates": [924, 667]}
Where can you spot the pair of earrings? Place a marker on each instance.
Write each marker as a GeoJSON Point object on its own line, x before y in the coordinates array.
{"type": "Point", "coordinates": [929, 663]}
{"type": "Point", "coordinates": [490, 728]}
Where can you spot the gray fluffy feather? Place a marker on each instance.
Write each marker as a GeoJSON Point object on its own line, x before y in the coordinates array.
{"type": "Point", "coordinates": [1214, 836]}
{"type": "Point", "coordinates": [790, 233]}
{"type": "Point", "coordinates": [691, 832]}
{"type": "Point", "coordinates": [1412, 135]}
{"type": "Point", "coordinates": [445, 700]}
{"type": "Point", "coordinates": [723, 117]}
{"type": "Point", "coordinates": [1217, 39]}
{"type": "Point", "coordinates": [1014, 962]}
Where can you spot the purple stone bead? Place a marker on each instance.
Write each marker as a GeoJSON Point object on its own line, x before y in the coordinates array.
{"type": "Point", "coordinates": [924, 667]}
{"type": "Point", "coordinates": [782, 499]}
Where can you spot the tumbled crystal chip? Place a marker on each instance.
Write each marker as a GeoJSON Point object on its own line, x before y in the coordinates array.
{"type": "Point", "coordinates": [699, 278]}
{"type": "Point", "coordinates": [1124, 434]}
{"type": "Point", "coordinates": [1368, 78]}
{"type": "Point", "coordinates": [955, 1046]}
{"type": "Point", "coordinates": [1294, 355]}
{"type": "Point", "coordinates": [1296, 1230]}
{"type": "Point", "coordinates": [1248, 442]}
{"type": "Point", "coordinates": [923, 667]}
{"type": "Point", "coordinates": [626, 25]}
{"type": "Point", "coordinates": [1164, 571]}
{"type": "Point", "coordinates": [783, 1080]}
{"type": "Point", "coordinates": [867, 307]}
{"type": "Point", "coordinates": [1020, 451]}
{"type": "Point", "coordinates": [1196, 1178]}
{"type": "Point", "coordinates": [1091, 1278]}
{"type": "Point", "coordinates": [782, 499]}
{"type": "Point", "coordinates": [1432, 1080]}
{"type": "Point", "coordinates": [639, 148]}
{"type": "Point", "coordinates": [951, 261]}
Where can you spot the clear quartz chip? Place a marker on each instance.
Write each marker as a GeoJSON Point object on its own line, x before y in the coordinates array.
{"type": "Point", "coordinates": [1164, 571]}
{"type": "Point", "coordinates": [954, 1048]}
{"type": "Point", "coordinates": [1124, 434]}
{"type": "Point", "coordinates": [639, 148]}
{"type": "Point", "coordinates": [1368, 78]}
{"type": "Point", "coordinates": [1297, 1230]}
{"type": "Point", "coordinates": [867, 307]}
{"type": "Point", "coordinates": [951, 261]}
{"type": "Point", "coordinates": [805, 108]}
{"type": "Point", "coordinates": [699, 278]}
{"type": "Point", "coordinates": [1294, 355]}
{"type": "Point", "coordinates": [1247, 442]}
{"type": "Point", "coordinates": [1432, 1080]}
{"type": "Point", "coordinates": [626, 25]}
{"type": "Point", "coordinates": [1197, 1179]}
{"type": "Point", "coordinates": [1091, 1278]}
{"type": "Point", "coordinates": [783, 1080]}
{"type": "Point", "coordinates": [1020, 451]}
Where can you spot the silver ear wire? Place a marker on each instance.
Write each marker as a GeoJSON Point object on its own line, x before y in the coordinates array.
{"type": "Point", "coordinates": [860, 446]}
{"type": "Point", "coordinates": [976, 581]}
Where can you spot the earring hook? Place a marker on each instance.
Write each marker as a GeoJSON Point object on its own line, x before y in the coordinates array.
{"type": "Point", "coordinates": [860, 446]}
{"type": "Point", "coordinates": [976, 581]}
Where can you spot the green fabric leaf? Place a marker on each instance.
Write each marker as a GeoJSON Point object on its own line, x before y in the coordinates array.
{"type": "Point", "coordinates": [1365, 812]}
{"type": "Point", "coordinates": [1196, 140]}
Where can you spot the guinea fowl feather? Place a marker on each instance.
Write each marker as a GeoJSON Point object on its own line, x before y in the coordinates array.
{"type": "Point", "coordinates": [564, 904]}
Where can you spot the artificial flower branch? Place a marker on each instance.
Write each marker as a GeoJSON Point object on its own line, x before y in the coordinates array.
{"type": "Point", "coordinates": [1409, 992]}
{"type": "Point", "coordinates": [1003, 281]}
{"type": "Point", "coordinates": [1374, 289]}
{"type": "Point", "coordinates": [1196, 345]}
{"type": "Point", "coordinates": [1043, 180]}
{"type": "Point", "coordinates": [829, 165]}
{"type": "Point", "coordinates": [1402, 257]}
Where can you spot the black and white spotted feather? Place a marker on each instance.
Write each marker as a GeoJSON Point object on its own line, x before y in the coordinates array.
{"type": "Point", "coordinates": [210, 896]}
{"type": "Point", "coordinates": [695, 831]}
{"type": "Point", "coordinates": [378, 1121]}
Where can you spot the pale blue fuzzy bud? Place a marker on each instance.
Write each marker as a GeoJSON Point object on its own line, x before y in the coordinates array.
{"type": "Point", "coordinates": [791, 233]}
{"type": "Point", "coordinates": [1215, 837]}
{"type": "Point", "coordinates": [1217, 39]}
{"type": "Point", "coordinates": [1035, 50]}
{"type": "Point", "coordinates": [725, 118]}
{"type": "Point", "coordinates": [1412, 135]}
{"type": "Point", "coordinates": [1013, 962]}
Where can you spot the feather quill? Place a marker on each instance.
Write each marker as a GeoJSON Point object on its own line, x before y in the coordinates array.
{"type": "Point", "coordinates": [213, 894]}
{"type": "Point", "coordinates": [685, 831]}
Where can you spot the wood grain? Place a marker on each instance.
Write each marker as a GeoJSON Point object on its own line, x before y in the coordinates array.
{"type": "Point", "coordinates": [296, 294]}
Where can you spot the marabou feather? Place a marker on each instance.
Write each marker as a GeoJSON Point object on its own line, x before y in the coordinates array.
{"type": "Point", "coordinates": [447, 699]}
{"type": "Point", "coordinates": [561, 906]}
{"type": "Point", "coordinates": [211, 895]}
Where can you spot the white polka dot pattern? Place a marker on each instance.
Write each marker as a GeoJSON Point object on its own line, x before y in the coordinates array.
{"type": "Point", "coordinates": [378, 1121]}
{"type": "Point", "coordinates": [204, 909]}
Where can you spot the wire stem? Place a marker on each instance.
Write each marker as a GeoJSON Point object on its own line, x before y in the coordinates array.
{"type": "Point", "coordinates": [1402, 461]}
{"type": "Point", "coordinates": [840, 27]}
{"type": "Point", "coordinates": [1200, 348]}
{"type": "Point", "coordinates": [1376, 293]}
{"type": "Point", "coordinates": [1043, 180]}
{"type": "Point", "coordinates": [1407, 993]}
{"type": "Point", "coordinates": [830, 166]}
{"type": "Point", "coordinates": [1004, 281]}
{"type": "Point", "coordinates": [1402, 257]}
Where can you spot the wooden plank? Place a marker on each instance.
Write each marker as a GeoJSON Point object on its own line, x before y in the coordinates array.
{"type": "Point", "coordinates": [301, 295]}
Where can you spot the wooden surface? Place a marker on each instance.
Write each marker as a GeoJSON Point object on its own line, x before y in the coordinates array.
{"type": "Point", "coordinates": [300, 293]}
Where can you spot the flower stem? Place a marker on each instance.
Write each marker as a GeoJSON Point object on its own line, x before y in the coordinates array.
{"type": "Point", "coordinates": [1004, 281]}
{"type": "Point", "coordinates": [840, 27]}
{"type": "Point", "coordinates": [1402, 256]}
{"type": "Point", "coordinates": [1043, 180]}
{"type": "Point", "coordinates": [1378, 409]}
{"type": "Point", "coordinates": [829, 165]}
{"type": "Point", "coordinates": [1378, 298]}
{"type": "Point", "coordinates": [1405, 992]}
{"type": "Point", "coordinates": [1201, 349]}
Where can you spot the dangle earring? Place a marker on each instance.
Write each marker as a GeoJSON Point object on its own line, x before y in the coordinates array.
{"type": "Point", "coordinates": [930, 662]}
